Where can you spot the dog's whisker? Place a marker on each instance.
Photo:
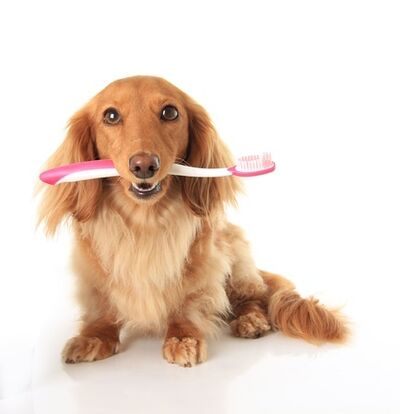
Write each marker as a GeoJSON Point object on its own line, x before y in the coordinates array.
{"type": "Point", "coordinates": [181, 161]}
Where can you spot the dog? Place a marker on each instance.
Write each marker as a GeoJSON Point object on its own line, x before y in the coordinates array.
{"type": "Point", "coordinates": [154, 252]}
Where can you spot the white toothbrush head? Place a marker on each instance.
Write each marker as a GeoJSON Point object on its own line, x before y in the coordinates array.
{"type": "Point", "coordinates": [252, 165]}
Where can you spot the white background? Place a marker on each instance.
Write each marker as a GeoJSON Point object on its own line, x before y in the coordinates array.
{"type": "Point", "coordinates": [315, 82]}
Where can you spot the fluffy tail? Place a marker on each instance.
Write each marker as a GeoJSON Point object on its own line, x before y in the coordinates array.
{"type": "Point", "coordinates": [302, 318]}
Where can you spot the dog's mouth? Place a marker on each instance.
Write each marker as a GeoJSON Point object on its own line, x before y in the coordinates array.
{"type": "Point", "coordinates": [145, 190]}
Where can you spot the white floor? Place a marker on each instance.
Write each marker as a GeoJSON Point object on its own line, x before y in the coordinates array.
{"type": "Point", "coordinates": [273, 374]}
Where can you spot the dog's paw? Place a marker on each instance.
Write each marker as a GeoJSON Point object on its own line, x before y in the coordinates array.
{"type": "Point", "coordinates": [186, 351]}
{"type": "Point", "coordinates": [250, 325]}
{"type": "Point", "coordinates": [87, 349]}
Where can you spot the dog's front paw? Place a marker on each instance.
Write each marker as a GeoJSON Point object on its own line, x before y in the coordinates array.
{"type": "Point", "coordinates": [87, 349]}
{"type": "Point", "coordinates": [250, 325]}
{"type": "Point", "coordinates": [186, 351]}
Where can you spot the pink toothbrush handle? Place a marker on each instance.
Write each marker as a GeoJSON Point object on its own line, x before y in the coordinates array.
{"type": "Point", "coordinates": [54, 175]}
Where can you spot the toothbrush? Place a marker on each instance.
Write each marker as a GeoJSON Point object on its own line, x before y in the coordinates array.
{"type": "Point", "coordinates": [247, 166]}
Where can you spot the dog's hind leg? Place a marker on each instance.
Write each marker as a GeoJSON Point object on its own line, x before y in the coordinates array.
{"type": "Point", "coordinates": [246, 289]}
{"type": "Point", "coordinates": [260, 299]}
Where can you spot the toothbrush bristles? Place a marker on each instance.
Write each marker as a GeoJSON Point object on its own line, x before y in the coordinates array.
{"type": "Point", "coordinates": [256, 162]}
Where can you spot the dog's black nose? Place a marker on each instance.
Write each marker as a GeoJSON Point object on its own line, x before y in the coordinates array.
{"type": "Point", "coordinates": [143, 165]}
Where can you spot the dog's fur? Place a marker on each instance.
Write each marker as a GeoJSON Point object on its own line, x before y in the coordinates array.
{"type": "Point", "coordinates": [171, 264]}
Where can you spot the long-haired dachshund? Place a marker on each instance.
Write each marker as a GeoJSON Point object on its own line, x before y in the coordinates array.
{"type": "Point", "coordinates": [155, 252]}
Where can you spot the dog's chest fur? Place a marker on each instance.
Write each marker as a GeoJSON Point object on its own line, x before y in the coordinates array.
{"type": "Point", "coordinates": [143, 259]}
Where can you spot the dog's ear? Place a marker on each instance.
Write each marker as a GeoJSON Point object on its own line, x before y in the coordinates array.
{"type": "Point", "coordinates": [77, 199]}
{"type": "Point", "coordinates": [206, 150]}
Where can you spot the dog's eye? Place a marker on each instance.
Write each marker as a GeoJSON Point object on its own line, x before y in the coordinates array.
{"type": "Point", "coordinates": [169, 113]}
{"type": "Point", "coordinates": [111, 116]}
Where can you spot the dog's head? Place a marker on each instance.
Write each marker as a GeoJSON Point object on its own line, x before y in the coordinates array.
{"type": "Point", "coordinates": [144, 125]}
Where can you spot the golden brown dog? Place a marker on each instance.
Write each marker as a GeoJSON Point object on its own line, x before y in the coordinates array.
{"type": "Point", "coordinates": [155, 252]}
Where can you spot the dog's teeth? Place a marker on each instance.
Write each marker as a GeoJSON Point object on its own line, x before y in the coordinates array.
{"type": "Point", "coordinates": [144, 190]}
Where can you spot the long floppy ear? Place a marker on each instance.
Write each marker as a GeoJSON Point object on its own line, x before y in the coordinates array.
{"type": "Point", "coordinates": [77, 199]}
{"type": "Point", "coordinates": [206, 150]}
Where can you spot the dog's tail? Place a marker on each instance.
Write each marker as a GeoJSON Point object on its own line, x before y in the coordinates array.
{"type": "Point", "coordinates": [302, 318]}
